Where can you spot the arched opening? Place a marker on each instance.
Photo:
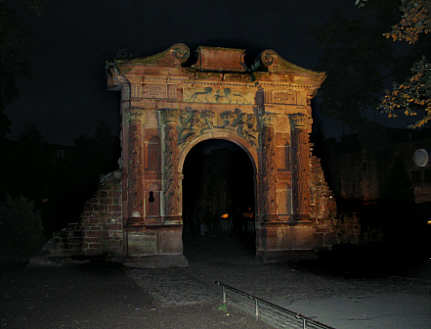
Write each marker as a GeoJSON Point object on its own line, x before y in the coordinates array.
{"type": "Point", "coordinates": [218, 201]}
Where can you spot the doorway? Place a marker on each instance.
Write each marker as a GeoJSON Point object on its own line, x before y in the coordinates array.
{"type": "Point", "coordinates": [218, 200]}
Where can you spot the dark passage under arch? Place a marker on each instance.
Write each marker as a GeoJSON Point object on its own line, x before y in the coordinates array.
{"type": "Point", "coordinates": [218, 196]}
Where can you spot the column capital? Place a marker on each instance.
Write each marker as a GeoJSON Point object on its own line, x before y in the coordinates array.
{"type": "Point", "coordinates": [134, 114]}
{"type": "Point", "coordinates": [300, 121]}
{"type": "Point", "coordinates": [269, 119]}
{"type": "Point", "coordinates": [169, 116]}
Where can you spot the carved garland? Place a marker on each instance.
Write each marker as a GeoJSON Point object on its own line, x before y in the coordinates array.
{"type": "Point", "coordinates": [192, 122]}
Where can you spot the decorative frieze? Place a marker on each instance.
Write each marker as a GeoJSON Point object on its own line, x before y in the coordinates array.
{"type": "Point", "coordinates": [192, 123]}
{"type": "Point", "coordinates": [217, 95]}
{"type": "Point", "coordinates": [288, 97]}
{"type": "Point", "coordinates": [154, 91]}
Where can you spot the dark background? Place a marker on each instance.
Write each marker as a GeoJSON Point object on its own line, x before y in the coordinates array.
{"type": "Point", "coordinates": [70, 41]}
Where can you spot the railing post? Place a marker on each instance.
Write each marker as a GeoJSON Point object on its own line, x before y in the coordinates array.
{"type": "Point", "coordinates": [288, 313]}
{"type": "Point", "coordinates": [224, 296]}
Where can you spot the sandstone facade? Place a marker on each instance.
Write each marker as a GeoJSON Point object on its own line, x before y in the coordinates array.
{"type": "Point", "coordinates": [167, 108]}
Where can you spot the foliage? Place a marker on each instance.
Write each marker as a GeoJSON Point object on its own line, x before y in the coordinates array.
{"type": "Point", "coordinates": [58, 178]}
{"type": "Point", "coordinates": [415, 20]}
{"type": "Point", "coordinates": [21, 232]}
{"type": "Point", "coordinates": [27, 169]}
{"type": "Point", "coordinates": [13, 60]}
{"type": "Point", "coordinates": [411, 97]}
{"type": "Point", "coordinates": [14, 50]}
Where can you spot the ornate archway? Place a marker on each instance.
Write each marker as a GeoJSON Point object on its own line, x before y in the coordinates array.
{"type": "Point", "coordinates": [218, 196]}
{"type": "Point", "coordinates": [167, 108]}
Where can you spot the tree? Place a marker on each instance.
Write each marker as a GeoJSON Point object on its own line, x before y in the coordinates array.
{"type": "Point", "coordinates": [14, 47]}
{"type": "Point", "coordinates": [21, 231]}
{"type": "Point", "coordinates": [412, 97]}
{"type": "Point", "coordinates": [357, 61]}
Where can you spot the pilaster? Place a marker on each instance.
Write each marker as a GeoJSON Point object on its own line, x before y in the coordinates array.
{"type": "Point", "coordinates": [171, 179]}
{"type": "Point", "coordinates": [301, 166]}
{"type": "Point", "coordinates": [134, 168]}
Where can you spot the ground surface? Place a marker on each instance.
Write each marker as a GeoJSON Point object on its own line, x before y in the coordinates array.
{"type": "Point", "coordinates": [107, 296]}
{"type": "Point", "coordinates": [98, 297]}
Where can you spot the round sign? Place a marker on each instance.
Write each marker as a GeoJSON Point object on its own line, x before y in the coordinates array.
{"type": "Point", "coordinates": [420, 157]}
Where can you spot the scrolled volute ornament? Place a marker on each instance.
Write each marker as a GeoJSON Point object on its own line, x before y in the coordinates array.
{"type": "Point", "coordinates": [180, 51]}
{"type": "Point", "coordinates": [268, 57]}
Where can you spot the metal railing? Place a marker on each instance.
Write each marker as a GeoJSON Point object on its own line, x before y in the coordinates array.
{"type": "Point", "coordinates": [272, 314]}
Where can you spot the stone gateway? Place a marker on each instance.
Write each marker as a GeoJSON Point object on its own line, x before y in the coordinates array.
{"type": "Point", "coordinates": [168, 107]}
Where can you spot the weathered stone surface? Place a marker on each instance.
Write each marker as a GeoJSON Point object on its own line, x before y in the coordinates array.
{"type": "Point", "coordinates": [142, 244]}
{"type": "Point", "coordinates": [218, 95]}
{"type": "Point", "coordinates": [167, 109]}
{"type": "Point", "coordinates": [220, 59]}
{"type": "Point", "coordinates": [269, 117]}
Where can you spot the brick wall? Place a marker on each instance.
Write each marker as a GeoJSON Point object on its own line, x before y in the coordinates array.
{"type": "Point", "coordinates": [65, 243]}
{"type": "Point", "coordinates": [99, 232]}
{"type": "Point", "coordinates": [322, 205]}
{"type": "Point", "coordinates": [331, 229]}
{"type": "Point", "coordinates": [101, 219]}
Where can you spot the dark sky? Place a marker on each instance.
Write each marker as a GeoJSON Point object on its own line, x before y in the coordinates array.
{"type": "Point", "coordinates": [67, 94]}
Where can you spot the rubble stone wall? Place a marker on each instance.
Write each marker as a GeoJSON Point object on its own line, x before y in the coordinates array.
{"type": "Point", "coordinates": [330, 229]}
{"type": "Point", "coordinates": [66, 243]}
{"type": "Point", "coordinates": [101, 219]}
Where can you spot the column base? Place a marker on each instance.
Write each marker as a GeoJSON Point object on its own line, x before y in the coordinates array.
{"type": "Point", "coordinates": [282, 241]}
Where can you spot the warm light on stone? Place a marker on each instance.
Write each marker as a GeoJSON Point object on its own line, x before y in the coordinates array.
{"type": "Point", "coordinates": [167, 109]}
{"type": "Point", "coordinates": [224, 216]}
{"type": "Point", "coordinates": [136, 214]}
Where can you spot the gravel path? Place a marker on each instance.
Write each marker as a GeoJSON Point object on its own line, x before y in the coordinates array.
{"type": "Point", "coordinates": [96, 296]}
{"type": "Point", "coordinates": [337, 301]}
{"type": "Point", "coordinates": [93, 296]}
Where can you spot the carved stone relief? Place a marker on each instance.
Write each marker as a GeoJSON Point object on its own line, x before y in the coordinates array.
{"type": "Point", "coordinates": [193, 123]}
{"type": "Point", "coordinates": [171, 181]}
{"type": "Point", "coordinates": [218, 95]}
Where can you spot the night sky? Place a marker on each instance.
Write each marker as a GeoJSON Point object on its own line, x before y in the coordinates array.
{"type": "Point", "coordinates": [71, 40]}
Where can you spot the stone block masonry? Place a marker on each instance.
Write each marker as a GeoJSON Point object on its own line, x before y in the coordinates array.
{"type": "Point", "coordinates": [101, 219]}
{"type": "Point", "coordinates": [168, 108]}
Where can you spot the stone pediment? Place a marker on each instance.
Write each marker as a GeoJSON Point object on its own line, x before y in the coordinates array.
{"type": "Point", "coordinates": [171, 57]}
{"type": "Point", "coordinates": [218, 59]}
{"type": "Point", "coordinates": [277, 64]}
{"type": "Point", "coordinates": [218, 76]}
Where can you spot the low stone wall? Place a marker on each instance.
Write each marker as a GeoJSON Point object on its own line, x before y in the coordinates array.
{"type": "Point", "coordinates": [64, 244]}
{"type": "Point", "coordinates": [330, 228]}
{"type": "Point", "coordinates": [101, 219]}
{"type": "Point", "coordinates": [99, 231]}
{"type": "Point", "coordinates": [323, 205]}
